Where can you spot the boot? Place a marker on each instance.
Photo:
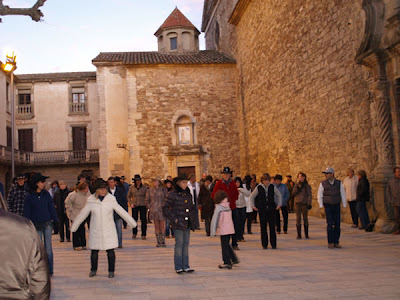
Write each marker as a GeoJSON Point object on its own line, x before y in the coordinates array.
{"type": "Point", "coordinates": [162, 239]}
{"type": "Point", "coordinates": [298, 232]}
{"type": "Point", "coordinates": [158, 240]}
{"type": "Point", "coordinates": [306, 231]}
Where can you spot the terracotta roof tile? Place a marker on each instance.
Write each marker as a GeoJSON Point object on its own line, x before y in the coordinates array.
{"type": "Point", "coordinates": [176, 19]}
{"type": "Point", "coordinates": [154, 58]}
{"type": "Point", "coordinates": [56, 76]}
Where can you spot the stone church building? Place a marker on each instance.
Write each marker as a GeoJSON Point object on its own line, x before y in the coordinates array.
{"type": "Point", "coordinates": [282, 87]}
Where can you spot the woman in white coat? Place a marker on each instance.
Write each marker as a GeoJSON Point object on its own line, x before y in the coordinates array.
{"type": "Point", "coordinates": [103, 235]}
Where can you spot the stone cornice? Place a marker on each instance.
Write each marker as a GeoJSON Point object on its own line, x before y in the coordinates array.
{"type": "Point", "coordinates": [238, 12]}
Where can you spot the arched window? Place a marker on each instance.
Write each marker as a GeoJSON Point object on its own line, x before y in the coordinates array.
{"type": "Point", "coordinates": [184, 130]}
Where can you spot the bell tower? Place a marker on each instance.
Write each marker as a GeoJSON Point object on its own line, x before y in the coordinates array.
{"type": "Point", "coordinates": [177, 34]}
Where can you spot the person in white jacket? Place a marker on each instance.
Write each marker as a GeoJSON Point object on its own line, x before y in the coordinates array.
{"type": "Point", "coordinates": [103, 235]}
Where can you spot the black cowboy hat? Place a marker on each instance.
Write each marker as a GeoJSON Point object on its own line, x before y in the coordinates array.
{"type": "Point", "coordinates": [226, 170]}
{"type": "Point", "coordinates": [37, 177]}
{"type": "Point", "coordinates": [137, 177]}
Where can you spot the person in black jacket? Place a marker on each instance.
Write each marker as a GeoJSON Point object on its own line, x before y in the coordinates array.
{"type": "Point", "coordinates": [24, 273]}
{"type": "Point", "coordinates": [120, 194]}
{"type": "Point", "coordinates": [207, 203]}
{"type": "Point", "coordinates": [362, 198]}
{"type": "Point", "coordinates": [180, 210]}
{"type": "Point", "coordinates": [59, 199]}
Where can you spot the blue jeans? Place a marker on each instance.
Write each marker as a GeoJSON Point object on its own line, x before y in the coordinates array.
{"type": "Point", "coordinates": [332, 212]}
{"type": "Point", "coordinates": [167, 228]}
{"type": "Point", "coordinates": [44, 231]}
{"type": "Point", "coordinates": [118, 226]}
{"type": "Point", "coordinates": [362, 213]}
{"type": "Point", "coordinates": [181, 254]}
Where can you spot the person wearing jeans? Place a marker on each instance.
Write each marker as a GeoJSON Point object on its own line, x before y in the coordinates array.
{"type": "Point", "coordinates": [120, 194]}
{"type": "Point", "coordinates": [330, 194]}
{"type": "Point", "coordinates": [362, 198]}
{"type": "Point", "coordinates": [39, 208]}
{"type": "Point", "coordinates": [302, 196]}
{"type": "Point", "coordinates": [179, 209]}
{"type": "Point", "coordinates": [285, 197]}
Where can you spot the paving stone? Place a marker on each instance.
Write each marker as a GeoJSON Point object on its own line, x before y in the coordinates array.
{"type": "Point", "coordinates": [367, 267]}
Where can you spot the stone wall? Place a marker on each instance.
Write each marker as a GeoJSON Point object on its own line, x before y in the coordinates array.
{"type": "Point", "coordinates": [302, 98]}
{"type": "Point", "coordinates": [154, 97]}
{"type": "Point", "coordinates": [205, 92]}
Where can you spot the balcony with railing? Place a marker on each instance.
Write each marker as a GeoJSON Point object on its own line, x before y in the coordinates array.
{"type": "Point", "coordinates": [50, 157]}
{"type": "Point", "coordinates": [78, 108]}
{"type": "Point", "coordinates": [24, 111]}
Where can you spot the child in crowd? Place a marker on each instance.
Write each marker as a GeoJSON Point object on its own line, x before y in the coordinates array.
{"type": "Point", "coordinates": [222, 224]}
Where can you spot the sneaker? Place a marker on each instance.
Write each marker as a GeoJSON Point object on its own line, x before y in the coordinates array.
{"type": "Point", "coordinates": [92, 273]}
{"type": "Point", "coordinates": [143, 237]}
{"type": "Point", "coordinates": [225, 266]}
{"type": "Point", "coordinates": [188, 270]}
{"type": "Point", "coordinates": [337, 246]}
{"type": "Point", "coordinates": [110, 274]}
{"type": "Point", "coordinates": [180, 271]}
{"type": "Point", "coordinates": [331, 246]}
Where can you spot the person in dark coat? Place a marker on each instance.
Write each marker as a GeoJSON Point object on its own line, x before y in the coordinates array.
{"type": "Point", "coordinates": [59, 199]}
{"type": "Point", "coordinates": [207, 203]}
{"type": "Point", "coordinates": [17, 195]}
{"type": "Point", "coordinates": [362, 198]}
{"type": "Point", "coordinates": [180, 210]}
{"type": "Point", "coordinates": [39, 208]}
{"type": "Point", "coordinates": [120, 194]}
{"type": "Point", "coordinates": [24, 273]}
{"type": "Point", "coordinates": [168, 185]}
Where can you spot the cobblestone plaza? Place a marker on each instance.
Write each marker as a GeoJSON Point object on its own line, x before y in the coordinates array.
{"type": "Point", "coordinates": [367, 267]}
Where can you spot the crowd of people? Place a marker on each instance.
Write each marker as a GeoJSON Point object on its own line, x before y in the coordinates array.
{"type": "Point", "coordinates": [176, 206]}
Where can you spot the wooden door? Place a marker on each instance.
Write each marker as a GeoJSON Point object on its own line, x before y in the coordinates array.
{"type": "Point", "coordinates": [25, 140]}
{"type": "Point", "coordinates": [186, 170]}
{"type": "Point", "coordinates": [79, 138]}
{"type": "Point", "coordinates": [79, 144]}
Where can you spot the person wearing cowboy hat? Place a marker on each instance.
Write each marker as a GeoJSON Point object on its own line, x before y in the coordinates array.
{"type": "Point", "coordinates": [39, 208]}
{"type": "Point", "coordinates": [137, 201]}
{"type": "Point", "coordinates": [330, 193]}
{"type": "Point", "coordinates": [103, 234]}
{"type": "Point", "coordinates": [17, 195]}
{"type": "Point", "coordinates": [228, 185]}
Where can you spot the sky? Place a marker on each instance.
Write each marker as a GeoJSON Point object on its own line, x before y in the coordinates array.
{"type": "Point", "coordinates": [73, 32]}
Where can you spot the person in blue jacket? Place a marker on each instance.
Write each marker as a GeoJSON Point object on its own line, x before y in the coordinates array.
{"type": "Point", "coordinates": [39, 208]}
{"type": "Point", "coordinates": [285, 198]}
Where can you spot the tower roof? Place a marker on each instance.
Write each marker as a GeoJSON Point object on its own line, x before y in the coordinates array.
{"type": "Point", "coordinates": [176, 19]}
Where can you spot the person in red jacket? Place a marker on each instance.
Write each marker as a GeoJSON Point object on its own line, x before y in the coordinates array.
{"type": "Point", "coordinates": [228, 185]}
